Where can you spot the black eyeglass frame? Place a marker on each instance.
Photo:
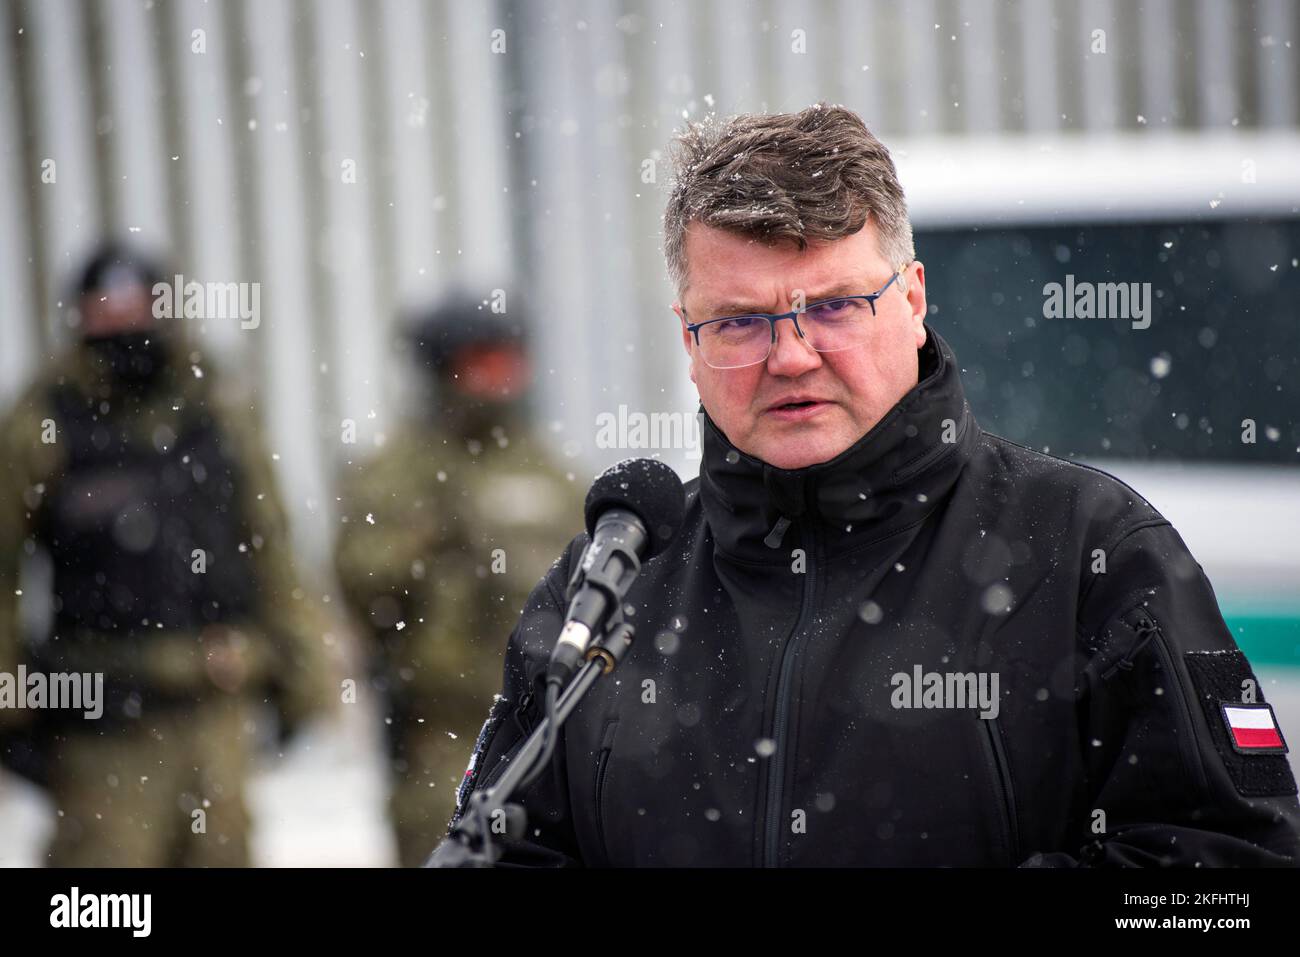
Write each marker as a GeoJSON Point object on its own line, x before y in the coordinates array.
{"type": "Point", "coordinates": [772, 319]}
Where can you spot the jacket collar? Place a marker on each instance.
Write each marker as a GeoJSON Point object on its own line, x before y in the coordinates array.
{"type": "Point", "coordinates": [890, 478]}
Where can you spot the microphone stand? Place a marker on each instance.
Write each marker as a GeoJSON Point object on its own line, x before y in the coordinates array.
{"type": "Point", "coordinates": [470, 844]}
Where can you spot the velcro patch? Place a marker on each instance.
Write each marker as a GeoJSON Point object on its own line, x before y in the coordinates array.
{"type": "Point", "coordinates": [1242, 730]}
{"type": "Point", "coordinates": [1252, 728]}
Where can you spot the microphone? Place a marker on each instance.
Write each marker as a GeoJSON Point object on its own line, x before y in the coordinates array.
{"type": "Point", "coordinates": [634, 510]}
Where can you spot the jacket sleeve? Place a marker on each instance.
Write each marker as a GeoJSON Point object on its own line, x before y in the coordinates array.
{"type": "Point", "coordinates": [1167, 785]}
{"type": "Point", "coordinates": [26, 465]}
{"type": "Point", "coordinates": [549, 839]}
{"type": "Point", "coordinates": [393, 524]}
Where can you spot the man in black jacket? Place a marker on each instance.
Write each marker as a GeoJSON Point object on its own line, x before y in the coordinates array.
{"type": "Point", "coordinates": [883, 636]}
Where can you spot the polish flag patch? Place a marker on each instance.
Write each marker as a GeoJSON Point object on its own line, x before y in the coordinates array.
{"type": "Point", "coordinates": [1253, 729]}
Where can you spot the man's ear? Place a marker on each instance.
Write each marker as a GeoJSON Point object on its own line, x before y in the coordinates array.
{"type": "Point", "coordinates": [915, 276]}
{"type": "Point", "coordinates": [686, 338]}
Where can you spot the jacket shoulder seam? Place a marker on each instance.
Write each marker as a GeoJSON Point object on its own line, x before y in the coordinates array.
{"type": "Point", "coordinates": [1108, 546]}
{"type": "Point", "coordinates": [1073, 464]}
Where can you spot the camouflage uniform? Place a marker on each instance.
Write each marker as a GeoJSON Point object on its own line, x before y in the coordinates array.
{"type": "Point", "coordinates": [140, 491]}
{"type": "Point", "coordinates": [445, 534]}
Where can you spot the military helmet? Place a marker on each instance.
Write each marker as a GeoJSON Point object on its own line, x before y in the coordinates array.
{"type": "Point", "coordinates": [437, 332]}
{"type": "Point", "coordinates": [114, 263]}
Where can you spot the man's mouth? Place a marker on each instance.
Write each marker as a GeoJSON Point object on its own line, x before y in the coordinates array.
{"type": "Point", "coordinates": [797, 408]}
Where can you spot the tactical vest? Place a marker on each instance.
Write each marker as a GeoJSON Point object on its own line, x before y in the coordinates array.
{"type": "Point", "coordinates": [144, 536]}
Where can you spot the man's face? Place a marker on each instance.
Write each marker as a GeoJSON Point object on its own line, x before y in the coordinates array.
{"type": "Point", "coordinates": [116, 309]}
{"type": "Point", "coordinates": [491, 372]}
{"type": "Point", "coordinates": [846, 392]}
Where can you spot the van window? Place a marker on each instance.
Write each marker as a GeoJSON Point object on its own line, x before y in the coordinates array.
{"type": "Point", "coordinates": [1222, 347]}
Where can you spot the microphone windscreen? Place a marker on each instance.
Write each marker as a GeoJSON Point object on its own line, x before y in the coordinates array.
{"type": "Point", "coordinates": [649, 489]}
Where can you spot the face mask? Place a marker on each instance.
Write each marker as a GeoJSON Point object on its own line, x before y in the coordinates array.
{"type": "Point", "coordinates": [134, 359]}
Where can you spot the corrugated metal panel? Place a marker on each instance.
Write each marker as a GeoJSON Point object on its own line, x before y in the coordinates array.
{"type": "Point", "coordinates": [1278, 64]}
{"type": "Point", "coordinates": [357, 317]}
{"type": "Point", "coordinates": [204, 158]}
{"type": "Point", "coordinates": [61, 126]}
{"type": "Point", "coordinates": [981, 63]}
{"type": "Point", "coordinates": [283, 246]}
{"type": "Point", "coordinates": [137, 156]}
{"type": "Point", "coordinates": [221, 133]}
{"type": "Point", "coordinates": [17, 252]}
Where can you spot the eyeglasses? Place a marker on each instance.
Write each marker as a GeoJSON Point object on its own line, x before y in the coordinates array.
{"type": "Point", "coordinates": [829, 325]}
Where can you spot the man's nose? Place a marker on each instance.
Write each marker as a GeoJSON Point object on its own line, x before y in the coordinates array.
{"type": "Point", "coordinates": [791, 355]}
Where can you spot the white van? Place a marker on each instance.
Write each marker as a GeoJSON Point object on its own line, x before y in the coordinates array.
{"type": "Point", "coordinates": [1198, 408]}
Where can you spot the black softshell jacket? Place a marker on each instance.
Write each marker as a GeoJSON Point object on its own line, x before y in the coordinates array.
{"type": "Point", "coordinates": [758, 718]}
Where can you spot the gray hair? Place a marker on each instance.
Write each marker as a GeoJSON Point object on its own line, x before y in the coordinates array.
{"type": "Point", "coordinates": [816, 174]}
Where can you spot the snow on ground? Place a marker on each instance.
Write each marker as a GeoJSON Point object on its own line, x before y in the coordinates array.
{"type": "Point", "coordinates": [321, 806]}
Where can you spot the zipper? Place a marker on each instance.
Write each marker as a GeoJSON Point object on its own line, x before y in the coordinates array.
{"type": "Point", "coordinates": [1002, 780]}
{"type": "Point", "coordinates": [602, 764]}
{"type": "Point", "coordinates": [1148, 627]}
{"type": "Point", "coordinates": [520, 714]}
{"type": "Point", "coordinates": [773, 539]}
{"type": "Point", "coordinates": [1145, 631]}
{"type": "Point", "coordinates": [776, 768]}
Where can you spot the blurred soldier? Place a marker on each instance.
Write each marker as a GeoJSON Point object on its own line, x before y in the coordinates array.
{"type": "Point", "coordinates": [446, 531]}
{"type": "Point", "coordinates": [156, 507]}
